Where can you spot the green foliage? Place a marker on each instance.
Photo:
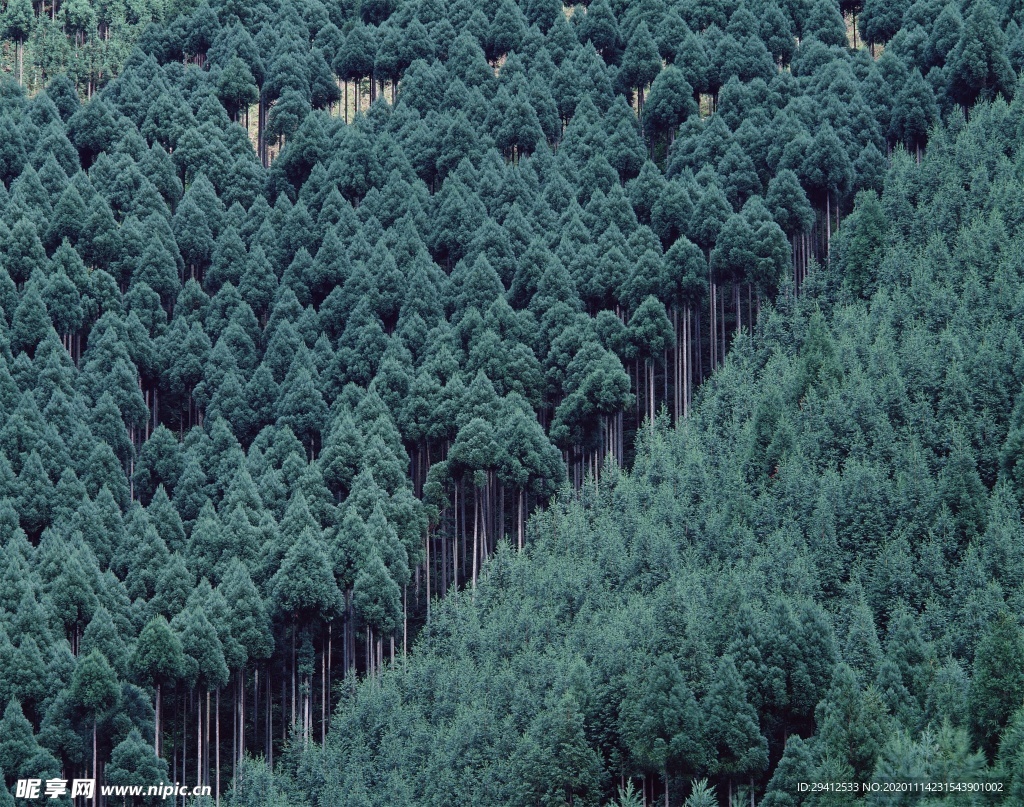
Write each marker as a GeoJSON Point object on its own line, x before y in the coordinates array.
{"type": "Point", "coordinates": [997, 687]}
{"type": "Point", "coordinates": [272, 399]}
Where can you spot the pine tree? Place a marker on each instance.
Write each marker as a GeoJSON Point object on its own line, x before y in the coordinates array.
{"type": "Point", "coordinates": [977, 65]}
{"type": "Point", "coordinates": [133, 762]}
{"type": "Point", "coordinates": [641, 62]}
{"type": "Point", "coordinates": [94, 692]}
{"type": "Point", "coordinates": [17, 745]}
{"type": "Point", "coordinates": [17, 20]}
{"type": "Point", "coordinates": [670, 102]}
{"type": "Point", "coordinates": [997, 683]}
{"type": "Point", "coordinates": [733, 734]}
{"type": "Point", "coordinates": [663, 725]}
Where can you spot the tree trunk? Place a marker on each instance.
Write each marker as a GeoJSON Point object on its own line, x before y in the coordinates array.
{"type": "Point", "coordinates": [686, 362]}
{"type": "Point", "coordinates": [828, 229]}
{"type": "Point", "coordinates": [156, 731]}
{"type": "Point", "coordinates": [721, 319]}
{"type": "Point", "coordinates": [476, 525]}
{"type": "Point", "coordinates": [96, 788]}
{"type": "Point", "coordinates": [713, 335]}
{"type": "Point", "coordinates": [294, 683]}
{"type": "Point", "coordinates": [519, 520]}
{"type": "Point", "coordinates": [323, 696]}
{"type": "Point", "coordinates": [216, 752]}
{"type": "Point", "coordinates": [462, 521]}
{"type": "Point", "coordinates": [750, 306]}
{"type": "Point", "coordinates": [255, 713]}
{"type": "Point", "coordinates": [330, 658]}
{"type": "Point", "coordinates": [199, 742]}
{"type": "Point", "coordinates": [650, 392]}
{"type": "Point", "coordinates": [455, 539]}
{"type": "Point", "coordinates": [700, 349]}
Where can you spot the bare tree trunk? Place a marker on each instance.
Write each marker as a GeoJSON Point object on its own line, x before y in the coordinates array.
{"type": "Point", "coordinates": [686, 362]}
{"type": "Point", "coordinates": [455, 541]}
{"type": "Point", "coordinates": [235, 718]}
{"type": "Point", "coordinates": [255, 712]}
{"type": "Point", "coordinates": [156, 731]}
{"type": "Point", "coordinates": [828, 229]}
{"type": "Point", "coordinates": [650, 392]}
{"type": "Point", "coordinates": [700, 349]}
{"type": "Point", "coordinates": [216, 761]}
{"type": "Point", "coordinates": [476, 525]}
{"type": "Point", "coordinates": [519, 527]}
{"type": "Point", "coordinates": [427, 567]}
{"type": "Point", "coordinates": [327, 691]}
{"type": "Point", "coordinates": [294, 682]}
{"type": "Point", "coordinates": [713, 340]}
{"type": "Point", "coordinates": [199, 742]}
{"type": "Point", "coordinates": [323, 696]}
{"type": "Point", "coordinates": [721, 320]}
{"type": "Point", "coordinates": [96, 789]}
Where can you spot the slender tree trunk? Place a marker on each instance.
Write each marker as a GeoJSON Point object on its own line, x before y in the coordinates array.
{"type": "Point", "coordinates": [330, 658]}
{"type": "Point", "coordinates": [184, 738]}
{"type": "Point", "coordinates": [700, 348]}
{"type": "Point", "coordinates": [255, 714]}
{"type": "Point", "coordinates": [323, 696]}
{"type": "Point", "coordinates": [721, 319]}
{"type": "Point", "coordinates": [455, 540]}
{"type": "Point", "coordinates": [476, 525]}
{"type": "Point", "coordinates": [96, 789]}
{"type": "Point", "coordinates": [828, 229]}
{"type": "Point", "coordinates": [519, 520]}
{"type": "Point", "coordinates": [156, 730]}
{"type": "Point", "coordinates": [199, 742]}
{"type": "Point", "coordinates": [294, 682]}
{"type": "Point", "coordinates": [444, 559]}
{"type": "Point", "coordinates": [650, 392]}
{"type": "Point", "coordinates": [216, 760]}
{"type": "Point", "coordinates": [686, 362]}
{"type": "Point", "coordinates": [462, 519]}
{"type": "Point", "coordinates": [675, 365]}
{"type": "Point", "coordinates": [241, 714]}
{"type": "Point", "coordinates": [713, 340]}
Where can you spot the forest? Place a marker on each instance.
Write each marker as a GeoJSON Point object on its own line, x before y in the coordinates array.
{"type": "Point", "coordinates": [502, 402]}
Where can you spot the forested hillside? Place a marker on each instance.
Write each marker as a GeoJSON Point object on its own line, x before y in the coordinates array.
{"type": "Point", "coordinates": [307, 308]}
